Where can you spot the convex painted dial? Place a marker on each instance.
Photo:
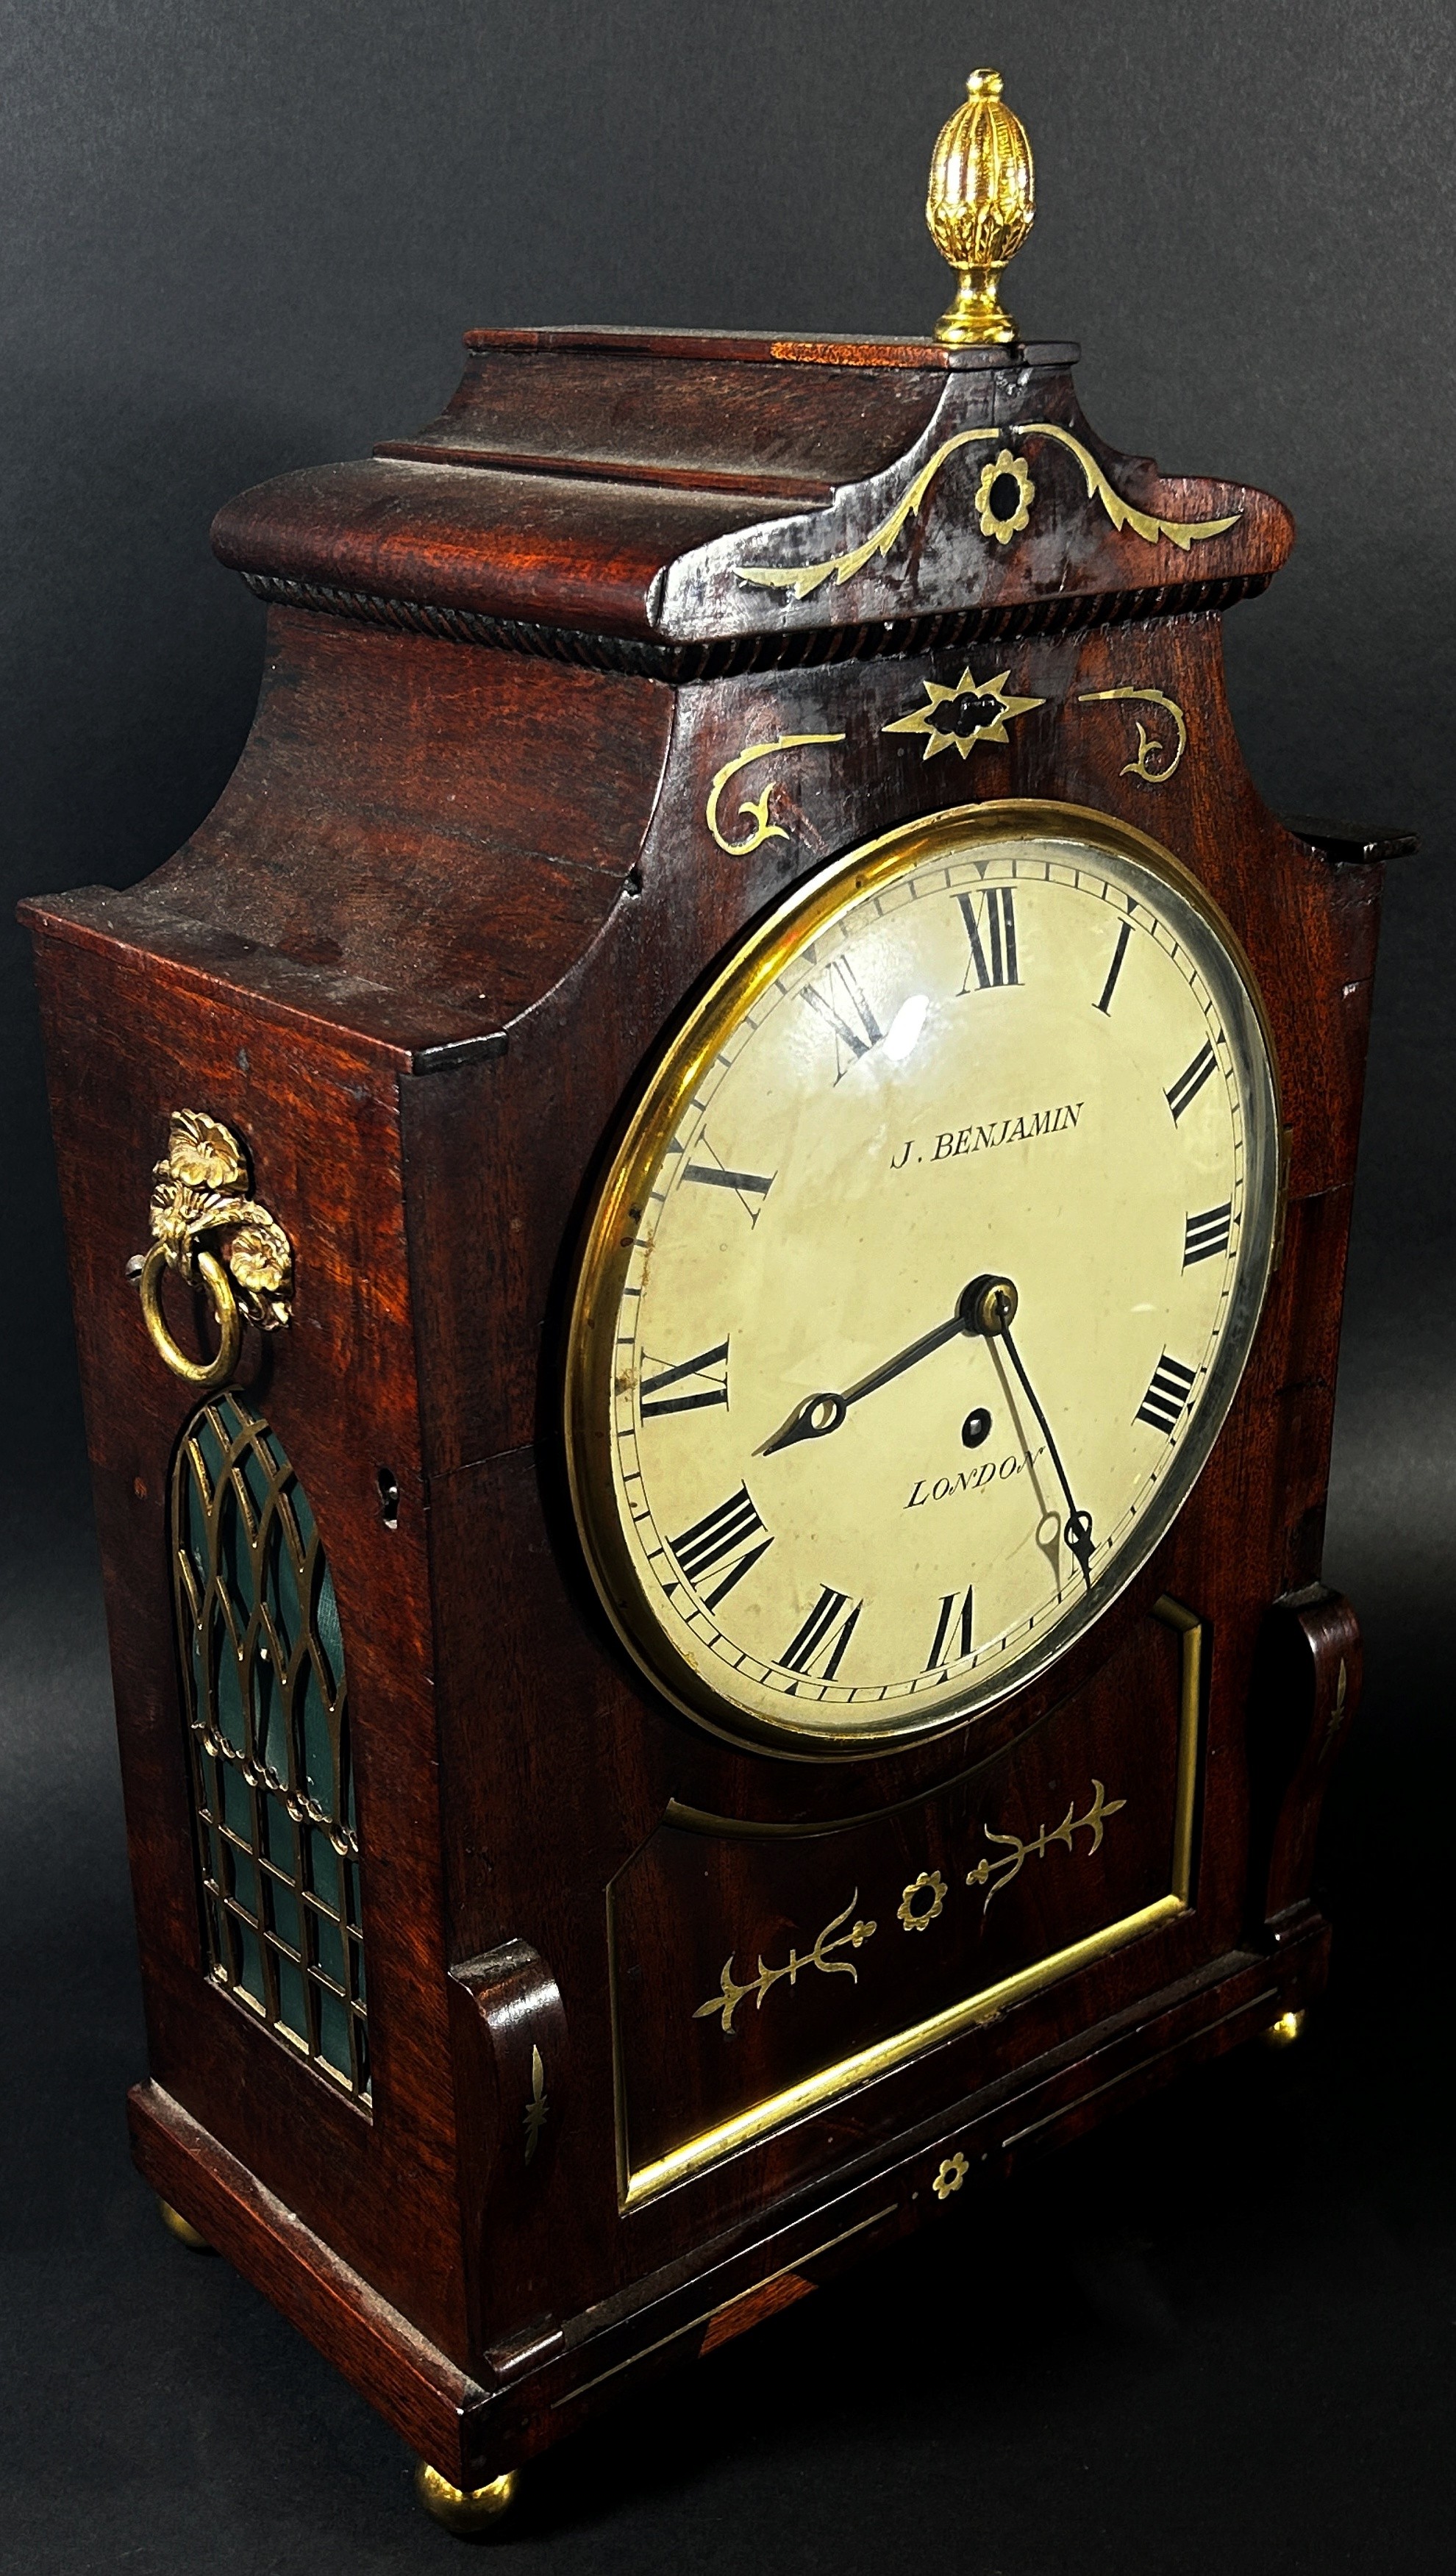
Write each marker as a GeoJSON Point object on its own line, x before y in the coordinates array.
{"type": "Point", "coordinates": [923, 1278]}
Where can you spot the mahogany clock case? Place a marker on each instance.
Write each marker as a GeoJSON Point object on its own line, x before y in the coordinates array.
{"type": "Point", "coordinates": [475, 854]}
{"type": "Point", "coordinates": [1405, 985]}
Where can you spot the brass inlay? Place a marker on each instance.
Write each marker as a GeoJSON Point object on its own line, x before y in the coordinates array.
{"type": "Point", "coordinates": [534, 2116]}
{"type": "Point", "coordinates": [201, 1193]}
{"type": "Point", "coordinates": [914, 1911]}
{"type": "Point", "coordinates": [883, 2056]}
{"type": "Point", "coordinates": [821, 1957]}
{"type": "Point", "coordinates": [994, 1875]}
{"type": "Point", "coordinates": [1004, 525]}
{"type": "Point", "coordinates": [950, 2177]}
{"type": "Point", "coordinates": [938, 737]}
{"type": "Point", "coordinates": [757, 806]}
{"type": "Point", "coordinates": [1151, 747]}
{"type": "Point", "coordinates": [804, 579]}
{"type": "Point", "coordinates": [980, 206]}
{"type": "Point", "coordinates": [1337, 1714]}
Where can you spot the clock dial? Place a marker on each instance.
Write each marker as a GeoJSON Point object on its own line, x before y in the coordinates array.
{"type": "Point", "coordinates": [924, 1277]}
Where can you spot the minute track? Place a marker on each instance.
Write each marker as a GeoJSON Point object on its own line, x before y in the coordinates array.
{"type": "Point", "coordinates": [787, 1545]}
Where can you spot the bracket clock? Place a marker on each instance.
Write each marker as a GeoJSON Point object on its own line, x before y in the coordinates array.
{"type": "Point", "coordinates": [708, 1218]}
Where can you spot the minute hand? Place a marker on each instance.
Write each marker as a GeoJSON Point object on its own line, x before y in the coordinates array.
{"type": "Point", "coordinates": [1079, 1525]}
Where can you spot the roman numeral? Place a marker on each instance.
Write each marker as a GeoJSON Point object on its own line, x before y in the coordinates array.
{"type": "Point", "coordinates": [723, 1537]}
{"type": "Point", "coordinates": [750, 1188]}
{"type": "Point", "coordinates": [1115, 969]}
{"type": "Point", "coordinates": [1163, 1404]}
{"type": "Point", "coordinates": [710, 1369]}
{"type": "Point", "coordinates": [842, 1003]}
{"type": "Point", "coordinates": [826, 1631]}
{"type": "Point", "coordinates": [993, 959]}
{"type": "Point", "coordinates": [955, 1613]}
{"type": "Point", "coordinates": [1191, 1082]}
{"type": "Point", "coordinates": [1205, 1236]}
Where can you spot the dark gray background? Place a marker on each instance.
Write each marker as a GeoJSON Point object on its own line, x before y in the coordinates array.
{"type": "Point", "coordinates": [240, 239]}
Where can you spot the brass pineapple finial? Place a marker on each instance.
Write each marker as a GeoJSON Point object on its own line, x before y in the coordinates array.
{"type": "Point", "coordinates": [979, 206]}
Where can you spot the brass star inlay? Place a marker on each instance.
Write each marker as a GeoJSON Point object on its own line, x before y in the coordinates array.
{"type": "Point", "coordinates": [973, 711]}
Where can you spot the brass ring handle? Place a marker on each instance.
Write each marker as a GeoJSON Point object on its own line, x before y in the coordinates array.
{"type": "Point", "coordinates": [204, 1374]}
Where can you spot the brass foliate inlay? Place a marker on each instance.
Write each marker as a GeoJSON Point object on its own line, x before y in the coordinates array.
{"type": "Point", "coordinates": [980, 207]}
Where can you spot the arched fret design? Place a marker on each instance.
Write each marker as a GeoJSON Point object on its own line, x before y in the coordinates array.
{"type": "Point", "coordinates": [263, 1672]}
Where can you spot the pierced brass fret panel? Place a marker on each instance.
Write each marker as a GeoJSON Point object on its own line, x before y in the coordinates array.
{"type": "Point", "coordinates": [263, 1674]}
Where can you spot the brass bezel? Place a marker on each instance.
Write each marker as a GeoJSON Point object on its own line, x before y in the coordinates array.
{"type": "Point", "coordinates": [652, 1118]}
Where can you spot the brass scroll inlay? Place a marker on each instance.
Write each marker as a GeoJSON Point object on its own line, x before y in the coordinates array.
{"type": "Point", "coordinates": [200, 1200]}
{"type": "Point", "coordinates": [756, 806]}
{"type": "Point", "coordinates": [1155, 762]}
{"type": "Point", "coordinates": [726, 2003]}
{"type": "Point", "coordinates": [805, 579]}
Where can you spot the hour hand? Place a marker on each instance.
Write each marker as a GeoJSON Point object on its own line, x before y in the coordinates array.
{"type": "Point", "coordinates": [808, 1421]}
{"type": "Point", "coordinates": [820, 1413]}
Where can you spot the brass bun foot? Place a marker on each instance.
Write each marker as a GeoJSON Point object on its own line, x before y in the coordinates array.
{"type": "Point", "coordinates": [463, 2509]}
{"type": "Point", "coordinates": [1286, 2030]}
{"type": "Point", "coordinates": [182, 2228]}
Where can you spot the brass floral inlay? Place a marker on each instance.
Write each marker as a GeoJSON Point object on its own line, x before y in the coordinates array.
{"type": "Point", "coordinates": [804, 579]}
{"type": "Point", "coordinates": [991, 522]}
{"type": "Point", "coordinates": [914, 1911]}
{"type": "Point", "coordinates": [994, 1875]}
{"type": "Point", "coordinates": [950, 2177]}
{"type": "Point", "coordinates": [921, 1904]}
{"type": "Point", "coordinates": [821, 1957]}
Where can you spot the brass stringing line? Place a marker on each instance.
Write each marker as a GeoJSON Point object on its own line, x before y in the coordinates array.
{"type": "Point", "coordinates": [1147, 744]}
{"type": "Point", "coordinates": [994, 1875]}
{"type": "Point", "coordinates": [808, 578]}
{"type": "Point", "coordinates": [727, 2002]}
{"type": "Point", "coordinates": [757, 806]}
